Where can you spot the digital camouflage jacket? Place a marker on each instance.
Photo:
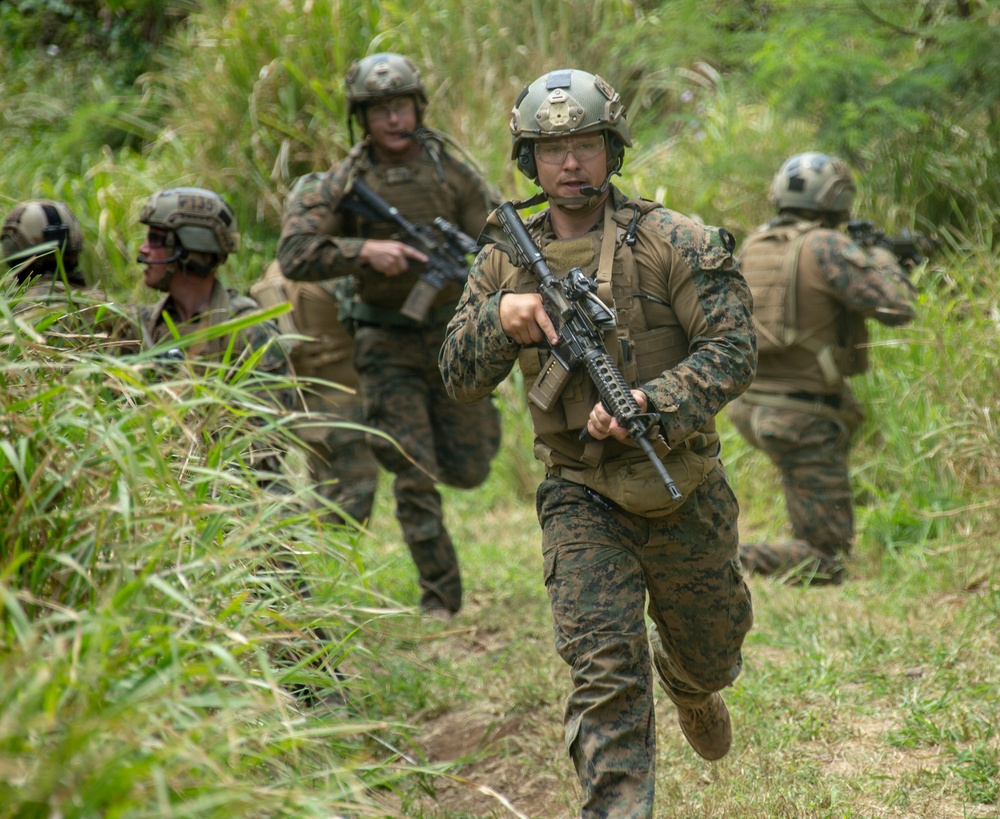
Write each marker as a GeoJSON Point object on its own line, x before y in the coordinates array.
{"type": "Point", "coordinates": [686, 273]}
{"type": "Point", "coordinates": [224, 306]}
{"type": "Point", "coordinates": [321, 240]}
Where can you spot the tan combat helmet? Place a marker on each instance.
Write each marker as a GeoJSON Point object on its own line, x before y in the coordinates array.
{"type": "Point", "coordinates": [379, 77]}
{"type": "Point", "coordinates": [564, 102]}
{"type": "Point", "coordinates": [813, 182]}
{"type": "Point", "coordinates": [200, 219]}
{"type": "Point", "coordinates": [38, 228]}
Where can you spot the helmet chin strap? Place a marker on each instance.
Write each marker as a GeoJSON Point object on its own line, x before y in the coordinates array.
{"type": "Point", "coordinates": [575, 205]}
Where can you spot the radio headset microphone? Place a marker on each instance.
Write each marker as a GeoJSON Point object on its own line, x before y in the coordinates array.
{"type": "Point", "coordinates": [144, 260]}
{"type": "Point", "coordinates": [588, 191]}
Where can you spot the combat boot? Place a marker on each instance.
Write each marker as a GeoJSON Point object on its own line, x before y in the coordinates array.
{"type": "Point", "coordinates": [706, 726]}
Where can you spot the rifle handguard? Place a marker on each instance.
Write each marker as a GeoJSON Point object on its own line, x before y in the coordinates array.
{"type": "Point", "coordinates": [618, 400]}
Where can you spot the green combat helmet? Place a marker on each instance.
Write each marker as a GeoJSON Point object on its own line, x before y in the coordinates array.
{"type": "Point", "coordinates": [380, 76]}
{"type": "Point", "coordinates": [567, 102]}
{"type": "Point", "coordinates": [37, 229]}
{"type": "Point", "coordinates": [200, 219]}
{"type": "Point", "coordinates": [813, 182]}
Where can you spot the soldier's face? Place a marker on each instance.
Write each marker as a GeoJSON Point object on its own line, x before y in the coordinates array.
{"type": "Point", "coordinates": [158, 259]}
{"type": "Point", "coordinates": [564, 176]}
{"type": "Point", "coordinates": [389, 122]}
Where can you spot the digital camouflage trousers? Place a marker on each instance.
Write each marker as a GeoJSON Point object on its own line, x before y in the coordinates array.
{"type": "Point", "coordinates": [343, 468]}
{"type": "Point", "coordinates": [426, 438]}
{"type": "Point", "coordinates": [600, 563]}
{"type": "Point", "coordinates": [811, 453]}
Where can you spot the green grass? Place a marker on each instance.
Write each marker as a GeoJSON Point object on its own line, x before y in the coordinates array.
{"type": "Point", "coordinates": [152, 634]}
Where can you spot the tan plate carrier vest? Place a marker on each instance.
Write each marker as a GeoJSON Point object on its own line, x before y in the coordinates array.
{"type": "Point", "coordinates": [776, 314]}
{"type": "Point", "coordinates": [319, 345]}
{"type": "Point", "coordinates": [417, 191]}
{"type": "Point", "coordinates": [560, 402]}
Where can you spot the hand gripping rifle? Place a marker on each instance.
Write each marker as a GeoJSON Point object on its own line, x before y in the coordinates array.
{"type": "Point", "coordinates": [909, 248]}
{"type": "Point", "coordinates": [579, 317]}
{"type": "Point", "coordinates": [446, 258]}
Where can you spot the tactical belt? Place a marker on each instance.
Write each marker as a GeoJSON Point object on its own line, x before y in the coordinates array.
{"type": "Point", "coordinates": [813, 403]}
{"type": "Point", "coordinates": [367, 314]}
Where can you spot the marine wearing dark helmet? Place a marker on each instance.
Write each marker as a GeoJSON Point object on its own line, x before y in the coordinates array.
{"type": "Point", "coordinates": [36, 233]}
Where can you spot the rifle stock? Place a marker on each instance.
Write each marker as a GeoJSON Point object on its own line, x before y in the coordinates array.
{"type": "Point", "coordinates": [579, 317]}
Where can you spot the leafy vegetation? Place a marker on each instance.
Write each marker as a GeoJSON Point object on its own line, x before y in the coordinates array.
{"type": "Point", "coordinates": [160, 657]}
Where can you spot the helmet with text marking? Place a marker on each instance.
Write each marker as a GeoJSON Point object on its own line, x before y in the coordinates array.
{"type": "Point", "coordinates": [200, 218]}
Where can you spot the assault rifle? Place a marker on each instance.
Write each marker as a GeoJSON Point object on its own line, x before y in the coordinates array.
{"type": "Point", "coordinates": [579, 317]}
{"type": "Point", "coordinates": [446, 252]}
{"type": "Point", "coordinates": [909, 248]}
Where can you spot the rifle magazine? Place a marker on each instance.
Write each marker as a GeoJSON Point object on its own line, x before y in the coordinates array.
{"type": "Point", "coordinates": [419, 300]}
{"type": "Point", "coordinates": [549, 385]}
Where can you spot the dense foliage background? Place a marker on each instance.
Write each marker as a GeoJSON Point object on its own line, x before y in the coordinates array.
{"type": "Point", "coordinates": [147, 643]}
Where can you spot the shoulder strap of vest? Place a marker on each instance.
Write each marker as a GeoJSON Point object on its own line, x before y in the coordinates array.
{"type": "Point", "coordinates": [357, 161]}
{"type": "Point", "coordinates": [790, 268]}
{"type": "Point", "coordinates": [605, 266]}
{"type": "Point", "coordinates": [626, 221]}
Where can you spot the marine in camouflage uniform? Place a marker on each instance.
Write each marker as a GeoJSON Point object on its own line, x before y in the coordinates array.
{"type": "Point", "coordinates": [813, 290]}
{"type": "Point", "coordinates": [42, 244]}
{"type": "Point", "coordinates": [190, 233]}
{"type": "Point", "coordinates": [611, 535]}
{"type": "Point", "coordinates": [341, 463]}
{"type": "Point", "coordinates": [431, 438]}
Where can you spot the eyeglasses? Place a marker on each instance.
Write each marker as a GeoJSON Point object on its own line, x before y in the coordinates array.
{"type": "Point", "coordinates": [383, 110]}
{"type": "Point", "coordinates": [158, 238]}
{"type": "Point", "coordinates": [583, 148]}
